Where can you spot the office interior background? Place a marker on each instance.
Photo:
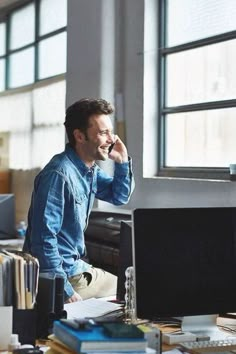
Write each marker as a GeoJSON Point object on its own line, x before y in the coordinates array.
{"type": "Point", "coordinates": [168, 66]}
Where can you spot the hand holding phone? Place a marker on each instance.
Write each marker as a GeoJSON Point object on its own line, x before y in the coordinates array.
{"type": "Point", "coordinates": [119, 153]}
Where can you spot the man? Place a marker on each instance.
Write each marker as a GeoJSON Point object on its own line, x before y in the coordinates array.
{"type": "Point", "coordinates": [63, 196]}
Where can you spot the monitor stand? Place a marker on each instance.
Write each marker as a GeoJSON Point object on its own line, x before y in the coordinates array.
{"type": "Point", "coordinates": [203, 326]}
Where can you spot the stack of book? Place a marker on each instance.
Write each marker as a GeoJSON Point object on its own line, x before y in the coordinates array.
{"type": "Point", "coordinates": [115, 337]}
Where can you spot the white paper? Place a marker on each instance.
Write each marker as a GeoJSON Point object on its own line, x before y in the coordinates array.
{"type": "Point", "coordinates": [90, 308]}
{"type": "Point", "coordinates": [6, 313]}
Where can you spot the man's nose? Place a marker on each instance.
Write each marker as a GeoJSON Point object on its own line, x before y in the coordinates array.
{"type": "Point", "coordinates": [111, 138]}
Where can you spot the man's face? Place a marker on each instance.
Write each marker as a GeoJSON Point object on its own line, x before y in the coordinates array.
{"type": "Point", "coordinates": [99, 138]}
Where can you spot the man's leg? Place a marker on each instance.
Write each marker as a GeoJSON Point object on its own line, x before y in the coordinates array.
{"type": "Point", "coordinates": [95, 282]}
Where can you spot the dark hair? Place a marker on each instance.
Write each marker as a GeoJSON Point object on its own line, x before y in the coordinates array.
{"type": "Point", "coordinates": [78, 114]}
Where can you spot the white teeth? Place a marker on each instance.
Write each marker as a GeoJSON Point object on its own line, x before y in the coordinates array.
{"type": "Point", "coordinates": [105, 149]}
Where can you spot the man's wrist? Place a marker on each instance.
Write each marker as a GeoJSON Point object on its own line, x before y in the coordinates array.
{"type": "Point", "coordinates": [122, 159]}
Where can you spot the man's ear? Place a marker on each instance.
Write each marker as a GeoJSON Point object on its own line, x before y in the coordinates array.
{"type": "Point", "coordinates": [79, 136]}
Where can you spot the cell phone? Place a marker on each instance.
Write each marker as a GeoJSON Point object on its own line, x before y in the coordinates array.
{"type": "Point", "coordinates": [110, 148]}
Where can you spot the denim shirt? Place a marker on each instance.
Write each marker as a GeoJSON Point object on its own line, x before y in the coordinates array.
{"type": "Point", "coordinates": [62, 198]}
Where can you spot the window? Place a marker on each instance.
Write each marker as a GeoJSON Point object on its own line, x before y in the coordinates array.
{"type": "Point", "coordinates": [34, 118]}
{"type": "Point", "coordinates": [32, 82]}
{"type": "Point", "coordinates": [197, 97]}
{"type": "Point", "coordinates": [34, 46]}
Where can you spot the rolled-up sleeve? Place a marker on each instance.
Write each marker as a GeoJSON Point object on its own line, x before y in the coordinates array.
{"type": "Point", "coordinates": [117, 189]}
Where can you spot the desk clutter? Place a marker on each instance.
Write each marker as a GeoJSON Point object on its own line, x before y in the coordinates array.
{"type": "Point", "coordinates": [29, 301]}
{"type": "Point", "coordinates": [32, 306]}
{"type": "Point", "coordinates": [19, 273]}
{"type": "Point", "coordinates": [96, 326]}
{"type": "Point", "coordinates": [91, 337]}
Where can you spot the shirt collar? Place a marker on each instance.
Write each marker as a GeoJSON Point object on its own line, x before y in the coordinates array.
{"type": "Point", "coordinates": [80, 165]}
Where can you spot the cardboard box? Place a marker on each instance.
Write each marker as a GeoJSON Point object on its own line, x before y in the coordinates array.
{"type": "Point", "coordinates": [4, 151]}
{"type": "Point", "coordinates": [5, 179]}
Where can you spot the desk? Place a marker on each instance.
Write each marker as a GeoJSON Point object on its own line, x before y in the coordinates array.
{"type": "Point", "coordinates": [226, 322]}
{"type": "Point", "coordinates": [16, 243]}
{"type": "Point", "coordinates": [221, 321]}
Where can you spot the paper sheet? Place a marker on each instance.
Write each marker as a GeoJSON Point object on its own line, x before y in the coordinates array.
{"type": "Point", "coordinates": [90, 308]}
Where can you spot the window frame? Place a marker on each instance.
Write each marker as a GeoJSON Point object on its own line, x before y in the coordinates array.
{"type": "Point", "coordinates": [5, 17]}
{"type": "Point", "coordinates": [163, 51]}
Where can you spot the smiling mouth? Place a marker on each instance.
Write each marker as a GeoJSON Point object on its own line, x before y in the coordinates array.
{"type": "Point", "coordinates": [105, 149]}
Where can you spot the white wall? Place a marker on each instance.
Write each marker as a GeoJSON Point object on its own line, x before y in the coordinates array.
{"type": "Point", "coordinates": [107, 54]}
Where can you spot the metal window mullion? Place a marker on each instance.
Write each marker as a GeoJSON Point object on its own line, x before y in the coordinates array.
{"type": "Point", "coordinates": [4, 56]}
{"type": "Point", "coordinates": [200, 106]}
{"type": "Point", "coordinates": [162, 88]}
{"type": "Point", "coordinates": [7, 64]}
{"type": "Point", "coordinates": [36, 47]}
{"type": "Point", "coordinates": [199, 43]}
{"type": "Point", "coordinates": [53, 33]}
{"type": "Point", "coordinates": [12, 51]}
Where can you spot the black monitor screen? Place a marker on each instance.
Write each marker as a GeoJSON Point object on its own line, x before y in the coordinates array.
{"type": "Point", "coordinates": [185, 261]}
{"type": "Point", "coordinates": [7, 216]}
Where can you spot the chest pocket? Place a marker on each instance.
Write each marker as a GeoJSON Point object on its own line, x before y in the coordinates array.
{"type": "Point", "coordinates": [80, 199]}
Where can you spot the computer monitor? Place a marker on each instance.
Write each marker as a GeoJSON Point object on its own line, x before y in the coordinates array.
{"type": "Point", "coordinates": [7, 216]}
{"type": "Point", "coordinates": [185, 265]}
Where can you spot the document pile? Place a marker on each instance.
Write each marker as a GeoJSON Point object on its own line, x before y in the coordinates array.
{"type": "Point", "coordinates": [94, 308]}
{"type": "Point", "coordinates": [19, 272]}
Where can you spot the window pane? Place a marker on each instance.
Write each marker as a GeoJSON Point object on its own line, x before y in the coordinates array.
{"type": "Point", "coordinates": [52, 56]}
{"type": "Point", "coordinates": [49, 104]}
{"type": "Point", "coordinates": [48, 22]}
{"type": "Point", "coordinates": [22, 27]}
{"type": "Point", "coordinates": [196, 19]}
{"type": "Point", "coordinates": [20, 151]}
{"type": "Point", "coordinates": [12, 106]}
{"type": "Point", "coordinates": [201, 139]}
{"type": "Point", "coordinates": [49, 116]}
{"type": "Point", "coordinates": [201, 75]}
{"type": "Point", "coordinates": [22, 68]}
{"type": "Point", "coordinates": [2, 38]}
{"type": "Point", "coordinates": [47, 135]}
{"type": "Point", "coordinates": [2, 74]}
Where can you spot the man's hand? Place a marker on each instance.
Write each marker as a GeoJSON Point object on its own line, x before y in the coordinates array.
{"type": "Point", "coordinates": [75, 297]}
{"type": "Point", "coordinates": [119, 152]}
